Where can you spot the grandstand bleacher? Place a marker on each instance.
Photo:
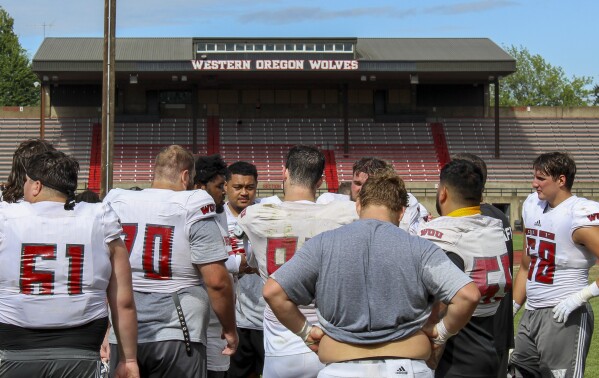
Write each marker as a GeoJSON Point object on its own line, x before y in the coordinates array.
{"type": "Point", "coordinates": [524, 139]}
{"type": "Point", "coordinates": [413, 148]}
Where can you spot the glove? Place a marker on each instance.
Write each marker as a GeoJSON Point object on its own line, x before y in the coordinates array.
{"type": "Point", "coordinates": [565, 307]}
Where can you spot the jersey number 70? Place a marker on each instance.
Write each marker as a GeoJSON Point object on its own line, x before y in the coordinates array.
{"type": "Point", "coordinates": [158, 245]}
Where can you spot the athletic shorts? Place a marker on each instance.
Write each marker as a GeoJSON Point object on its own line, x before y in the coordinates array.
{"type": "Point", "coordinates": [49, 362]}
{"type": "Point", "coordinates": [249, 357]}
{"type": "Point", "coordinates": [546, 348]}
{"type": "Point", "coordinates": [383, 368]}
{"type": "Point", "coordinates": [166, 359]}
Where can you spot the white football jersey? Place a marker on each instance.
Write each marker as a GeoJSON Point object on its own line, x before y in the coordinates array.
{"type": "Point", "coordinates": [328, 197]}
{"type": "Point", "coordinates": [156, 224]}
{"type": "Point", "coordinates": [479, 241]}
{"type": "Point", "coordinates": [275, 232]}
{"type": "Point", "coordinates": [55, 263]}
{"type": "Point", "coordinates": [558, 266]}
{"type": "Point", "coordinates": [412, 217]}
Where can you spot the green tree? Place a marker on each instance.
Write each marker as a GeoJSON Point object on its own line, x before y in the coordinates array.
{"type": "Point", "coordinates": [538, 83]}
{"type": "Point", "coordinates": [595, 94]}
{"type": "Point", "coordinates": [16, 76]}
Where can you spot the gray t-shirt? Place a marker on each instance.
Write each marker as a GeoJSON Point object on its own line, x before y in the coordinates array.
{"type": "Point", "coordinates": [157, 318]}
{"type": "Point", "coordinates": [371, 280]}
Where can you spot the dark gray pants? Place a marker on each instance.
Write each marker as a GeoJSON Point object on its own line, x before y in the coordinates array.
{"type": "Point", "coordinates": [546, 348]}
{"type": "Point", "coordinates": [166, 359]}
{"type": "Point", "coordinates": [50, 363]}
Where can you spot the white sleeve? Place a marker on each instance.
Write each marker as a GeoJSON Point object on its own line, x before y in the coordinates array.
{"type": "Point", "coordinates": [111, 225]}
{"type": "Point", "coordinates": [585, 214]}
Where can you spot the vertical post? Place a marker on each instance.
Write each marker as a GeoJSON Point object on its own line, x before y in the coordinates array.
{"type": "Point", "coordinates": [194, 122]}
{"type": "Point", "coordinates": [42, 112]}
{"type": "Point", "coordinates": [345, 100]}
{"type": "Point", "coordinates": [496, 83]}
{"type": "Point", "coordinates": [108, 83]}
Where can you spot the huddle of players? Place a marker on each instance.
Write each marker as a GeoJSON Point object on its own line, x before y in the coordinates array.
{"type": "Point", "coordinates": [184, 248]}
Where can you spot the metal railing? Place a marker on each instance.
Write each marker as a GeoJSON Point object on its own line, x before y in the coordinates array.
{"type": "Point", "coordinates": [432, 192]}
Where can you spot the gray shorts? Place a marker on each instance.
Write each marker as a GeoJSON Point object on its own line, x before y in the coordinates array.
{"type": "Point", "coordinates": [50, 362]}
{"type": "Point", "coordinates": [166, 359]}
{"type": "Point", "coordinates": [546, 348]}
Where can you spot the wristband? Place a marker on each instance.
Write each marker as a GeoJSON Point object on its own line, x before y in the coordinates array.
{"type": "Point", "coordinates": [442, 334]}
{"type": "Point", "coordinates": [305, 331]}
{"type": "Point", "coordinates": [515, 308]}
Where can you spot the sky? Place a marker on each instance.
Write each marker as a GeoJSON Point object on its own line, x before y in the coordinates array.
{"type": "Point", "coordinates": [562, 32]}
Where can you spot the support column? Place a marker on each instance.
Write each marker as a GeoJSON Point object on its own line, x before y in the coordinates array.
{"type": "Point", "coordinates": [496, 83]}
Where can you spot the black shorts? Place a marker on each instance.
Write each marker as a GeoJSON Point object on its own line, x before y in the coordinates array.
{"type": "Point", "coordinates": [249, 357]}
{"type": "Point", "coordinates": [49, 362]}
{"type": "Point", "coordinates": [166, 359]}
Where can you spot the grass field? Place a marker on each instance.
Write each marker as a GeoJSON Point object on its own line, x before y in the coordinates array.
{"type": "Point", "coordinates": [592, 364]}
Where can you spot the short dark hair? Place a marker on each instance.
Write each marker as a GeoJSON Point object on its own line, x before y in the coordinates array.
{"type": "Point", "coordinates": [13, 190]}
{"type": "Point", "coordinates": [56, 171]}
{"type": "Point", "coordinates": [371, 166]}
{"type": "Point", "coordinates": [88, 196]}
{"type": "Point", "coordinates": [474, 159]}
{"type": "Point", "coordinates": [208, 167]}
{"type": "Point", "coordinates": [466, 180]}
{"type": "Point", "coordinates": [556, 164]}
{"type": "Point", "coordinates": [242, 168]}
{"type": "Point", "coordinates": [305, 165]}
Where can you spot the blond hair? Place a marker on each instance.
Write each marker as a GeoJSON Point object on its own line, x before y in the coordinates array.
{"type": "Point", "coordinates": [171, 161]}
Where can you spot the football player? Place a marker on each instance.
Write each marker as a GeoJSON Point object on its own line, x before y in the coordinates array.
{"type": "Point", "coordinates": [276, 231]}
{"type": "Point", "coordinates": [177, 256]}
{"type": "Point", "coordinates": [476, 244]}
{"type": "Point", "coordinates": [504, 321]}
{"type": "Point", "coordinates": [241, 185]}
{"type": "Point", "coordinates": [562, 243]}
{"type": "Point", "coordinates": [60, 263]}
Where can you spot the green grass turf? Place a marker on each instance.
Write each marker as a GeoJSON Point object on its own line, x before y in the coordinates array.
{"type": "Point", "coordinates": [592, 365]}
{"type": "Point", "coordinates": [517, 241]}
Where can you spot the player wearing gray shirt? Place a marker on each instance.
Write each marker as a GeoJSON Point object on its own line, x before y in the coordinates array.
{"type": "Point", "coordinates": [374, 287]}
{"type": "Point", "coordinates": [372, 281]}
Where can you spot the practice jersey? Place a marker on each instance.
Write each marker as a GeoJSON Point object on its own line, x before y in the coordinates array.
{"type": "Point", "coordinates": [413, 216]}
{"type": "Point", "coordinates": [55, 263]}
{"type": "Point", "coordinates": [558, 266]}
{"type": "Point", "coordinates": [480, 242]}
{"type": "Point", "coordinates": [328, 197]}
{"type": "Point", "coordinates": [276, 231]}
{"type": "Point", "coordinates": [156, 225]}
{"type": "Point", "coordinates": [249, 307]}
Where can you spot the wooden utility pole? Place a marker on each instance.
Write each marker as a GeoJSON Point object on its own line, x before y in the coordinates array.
{"type": "Point", "coordinates": [108, 90]}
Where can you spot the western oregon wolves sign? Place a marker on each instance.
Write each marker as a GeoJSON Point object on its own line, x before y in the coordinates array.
{"type": "Point", "coordinates": [275, 65]}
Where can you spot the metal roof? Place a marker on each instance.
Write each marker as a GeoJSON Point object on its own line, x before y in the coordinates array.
{"type": "Point", "coordinates": [430, 49]}
{"type": "Point", "coordinates": [374, 54]}
{"type": "Point", "coordinates": [127, 49]}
